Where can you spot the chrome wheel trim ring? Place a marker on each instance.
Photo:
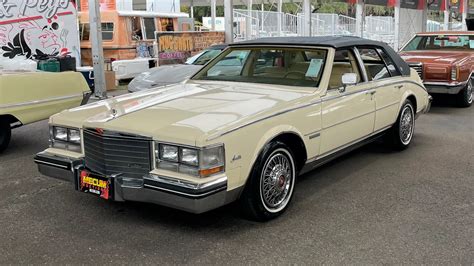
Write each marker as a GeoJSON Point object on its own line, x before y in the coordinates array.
{"type": "Point", "coordinates": [407, 124]}
{"type": "Point", "coordinates": [277, 181]}
{"type": "Point", "coordinates": [470, 92]}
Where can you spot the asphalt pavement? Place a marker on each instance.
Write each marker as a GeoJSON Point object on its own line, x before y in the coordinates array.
{"type": "Point", "coordinates": [371, 206]}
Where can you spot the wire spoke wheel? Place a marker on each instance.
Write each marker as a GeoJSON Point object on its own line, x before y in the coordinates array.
{"type": "Point", "coordinates": [277, 181]}
{"type": "Point", "coordinates": [469, 92]}
{"type": "Point", "coordinates": [407, 124]}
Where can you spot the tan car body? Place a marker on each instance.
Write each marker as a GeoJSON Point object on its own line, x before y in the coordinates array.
{"type": "Point", "coordinates": [245, 117]}
{"type": "Point", "coordinates": [33, 96]}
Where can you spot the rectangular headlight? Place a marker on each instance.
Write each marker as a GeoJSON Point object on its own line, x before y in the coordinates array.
{"type": "Point", "coordinates": [74, 136]}
{"type": "Point", "coordinates": [60, 133]}
{"type": "Point", "coordinates": [169, 153]}
{"type": "Point", "coordinates": [66, 138]}
{"type": "Point", "coordinates": [189, 156]}
{"type": "Point", "coordinates": [192, 161]}
{"type": "Point", "coordinates": [454, 73]}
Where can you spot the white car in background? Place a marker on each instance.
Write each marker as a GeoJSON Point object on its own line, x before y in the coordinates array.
{"type": "Point", "coordinates": [172, 74]}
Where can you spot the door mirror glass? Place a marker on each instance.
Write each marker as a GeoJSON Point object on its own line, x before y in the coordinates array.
{"type": "Point", "coordinates": [349, 79]}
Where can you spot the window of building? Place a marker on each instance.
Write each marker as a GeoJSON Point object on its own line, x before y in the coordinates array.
{"type": "Point", "coordinates": [139, 5]}
{"type": "Point", "coordinates": [84, 31]}
{"type": "Point", "coordinates": [136, 27]}
{"type": "Point", "coordinates": [149, 28]}
{"type": "Point", "coordinates": [167, 24]}
{"type": "Point", "coordinates": [107, 31]}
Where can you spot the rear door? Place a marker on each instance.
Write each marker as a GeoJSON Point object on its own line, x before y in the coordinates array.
{"type": "Point", "coordinates": [386, 83]}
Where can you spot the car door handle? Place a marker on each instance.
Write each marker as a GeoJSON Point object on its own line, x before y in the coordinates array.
{"type": "Point", "coordinates": [371, 92]}
{"type": "Point", "coordinates": [399, 86]}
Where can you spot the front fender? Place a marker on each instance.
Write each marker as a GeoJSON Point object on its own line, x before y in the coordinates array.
{"type": "Point", "coordinates": [272, 134]}
{"type": "Point", "coordinates": [267, 137]}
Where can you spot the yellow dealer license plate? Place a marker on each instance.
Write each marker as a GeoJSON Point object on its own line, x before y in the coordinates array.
{"type": "Point", "coordinates": [95, 184]}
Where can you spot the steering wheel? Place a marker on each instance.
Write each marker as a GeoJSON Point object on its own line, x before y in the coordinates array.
{"type": "Point", "coordinates": [303, 75]}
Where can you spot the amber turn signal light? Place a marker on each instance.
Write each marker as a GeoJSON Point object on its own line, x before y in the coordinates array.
{"type": "Point", "coordinates": [211, 171]}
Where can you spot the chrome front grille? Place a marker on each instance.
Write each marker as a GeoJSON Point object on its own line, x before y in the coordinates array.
{"type": "Point", "coordinates": [112, 153]}
{"type": "Point", "coordinates": [418, 67]}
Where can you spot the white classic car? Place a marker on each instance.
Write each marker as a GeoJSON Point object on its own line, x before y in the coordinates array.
{"type": "Point", "coordinates": [242, 133]}
{"type": "Point", "coordinates": [28, 97]}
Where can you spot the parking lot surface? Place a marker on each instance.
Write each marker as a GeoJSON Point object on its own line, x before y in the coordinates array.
{"type": "Point", "coordinates": [370, 206]}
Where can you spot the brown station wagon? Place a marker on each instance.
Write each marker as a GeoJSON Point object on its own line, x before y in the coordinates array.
{"type": "Point", "coordinates": [444, 61]}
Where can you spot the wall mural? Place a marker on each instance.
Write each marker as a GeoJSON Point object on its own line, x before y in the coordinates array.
{"type": "Point", "coordinates": [38, 28]}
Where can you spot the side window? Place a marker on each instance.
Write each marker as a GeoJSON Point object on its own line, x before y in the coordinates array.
{"type": "Point", "coordinates": [373, 64]}
{"type": "Point", "coordinates": [389, 62]}
{"type": "Point", "coordinates": [344, 62]}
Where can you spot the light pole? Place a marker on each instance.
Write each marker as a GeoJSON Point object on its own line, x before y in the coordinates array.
{"type": "Point", "coordinates": [97, 50]}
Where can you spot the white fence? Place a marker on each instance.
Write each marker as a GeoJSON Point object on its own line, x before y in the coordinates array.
{"type": "Point", "coordinates": [255, 24]}
{"type": "Point", "coordinates": [380, 28]}
{"type": "Point", "coordinates": [432, 25]}
{"type": "Point", "coordinates": [329, 24]}
{"type": "Point", "coordinates": [246, 26]}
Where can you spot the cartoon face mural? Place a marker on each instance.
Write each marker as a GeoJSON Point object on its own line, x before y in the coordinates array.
{"type": "Point", "coordinates": [38, 28]}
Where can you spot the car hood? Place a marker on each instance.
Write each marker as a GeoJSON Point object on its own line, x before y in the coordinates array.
{"type": "Point", "coordinates": [187, 113]}
{"type": "Point", "coordinates": [163, 75]}
{"type": "Point", "coordinates": [433, 57]}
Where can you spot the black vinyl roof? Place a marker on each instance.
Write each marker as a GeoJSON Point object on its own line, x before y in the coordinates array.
{"type": "Point", "coordinates": [218, 46]}
{"type": "Point", "coordinates": [329, 41]}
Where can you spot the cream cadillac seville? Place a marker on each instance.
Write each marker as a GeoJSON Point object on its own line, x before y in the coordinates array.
{"type": "Point", "coordinates": [242, 128]}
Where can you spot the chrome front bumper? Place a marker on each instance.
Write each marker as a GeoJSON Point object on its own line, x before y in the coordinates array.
{"type": "Point", "coordinates": [166, 191]}
{"type": "Point", "coordinates": [445, 87]}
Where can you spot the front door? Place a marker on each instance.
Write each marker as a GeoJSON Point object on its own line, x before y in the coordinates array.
{"type": "Point", "coordinates": [348, 114]}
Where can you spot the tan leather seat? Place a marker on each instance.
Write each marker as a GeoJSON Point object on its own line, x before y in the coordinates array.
{"type": "Point", "coordinates": [339, 69]}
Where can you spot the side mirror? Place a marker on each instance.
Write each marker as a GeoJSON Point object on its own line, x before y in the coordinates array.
{"type": "Point", "coordinates": [348, 79]}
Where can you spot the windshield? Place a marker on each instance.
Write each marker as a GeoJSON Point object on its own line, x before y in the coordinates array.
{"type": "Point", "coordinates": [443, 42]}
{"type": "Point", "coordinates": [203, 57]}
{"type": "Point", "coordinates": [280, 66]}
